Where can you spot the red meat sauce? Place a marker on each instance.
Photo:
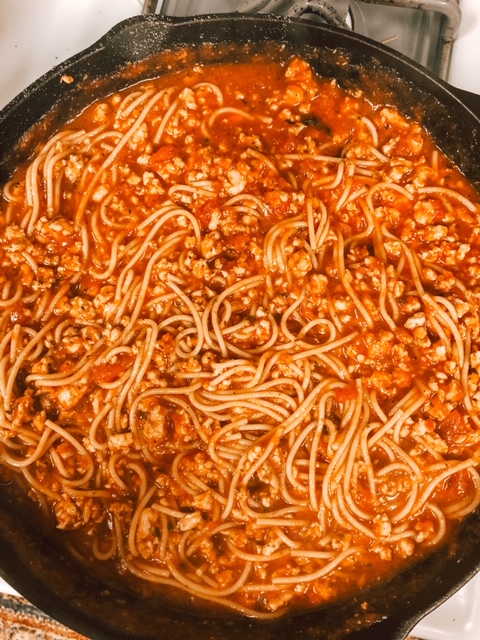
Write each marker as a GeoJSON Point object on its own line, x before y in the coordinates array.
{"type": "Point", "coordinates": [280, 143]}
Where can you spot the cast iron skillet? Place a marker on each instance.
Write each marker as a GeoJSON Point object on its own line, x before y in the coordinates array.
{"type": "Point", "coordinates": [31, 561]}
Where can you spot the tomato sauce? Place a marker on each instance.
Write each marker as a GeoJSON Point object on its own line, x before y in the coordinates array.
{"type": "Point", "coordinates": [239, 349]}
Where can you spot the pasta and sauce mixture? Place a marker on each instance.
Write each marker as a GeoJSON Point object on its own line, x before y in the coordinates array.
{"type": "Point", "coordinates": [239, 337]}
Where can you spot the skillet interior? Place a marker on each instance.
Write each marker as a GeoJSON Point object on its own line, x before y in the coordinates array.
{"type": "Point", "coordinates": [29, 560]}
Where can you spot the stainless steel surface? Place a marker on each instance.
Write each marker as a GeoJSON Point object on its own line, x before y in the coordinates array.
{"type": "Point", "coordinates": [149, 6]}
{"type": "Point", "coordinates": [449, 8]}
{"type": "Point", "coordinates": [424, 30]}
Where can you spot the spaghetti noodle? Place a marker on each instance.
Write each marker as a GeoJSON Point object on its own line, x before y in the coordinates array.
{"type": "Point", "coordinates": [239, 337]}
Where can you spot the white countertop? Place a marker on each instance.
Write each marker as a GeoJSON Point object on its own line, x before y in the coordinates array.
{"type": "Point", "coordinates": [465, 66]}
{"type": "Point", "coordinates": [35, 35]}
